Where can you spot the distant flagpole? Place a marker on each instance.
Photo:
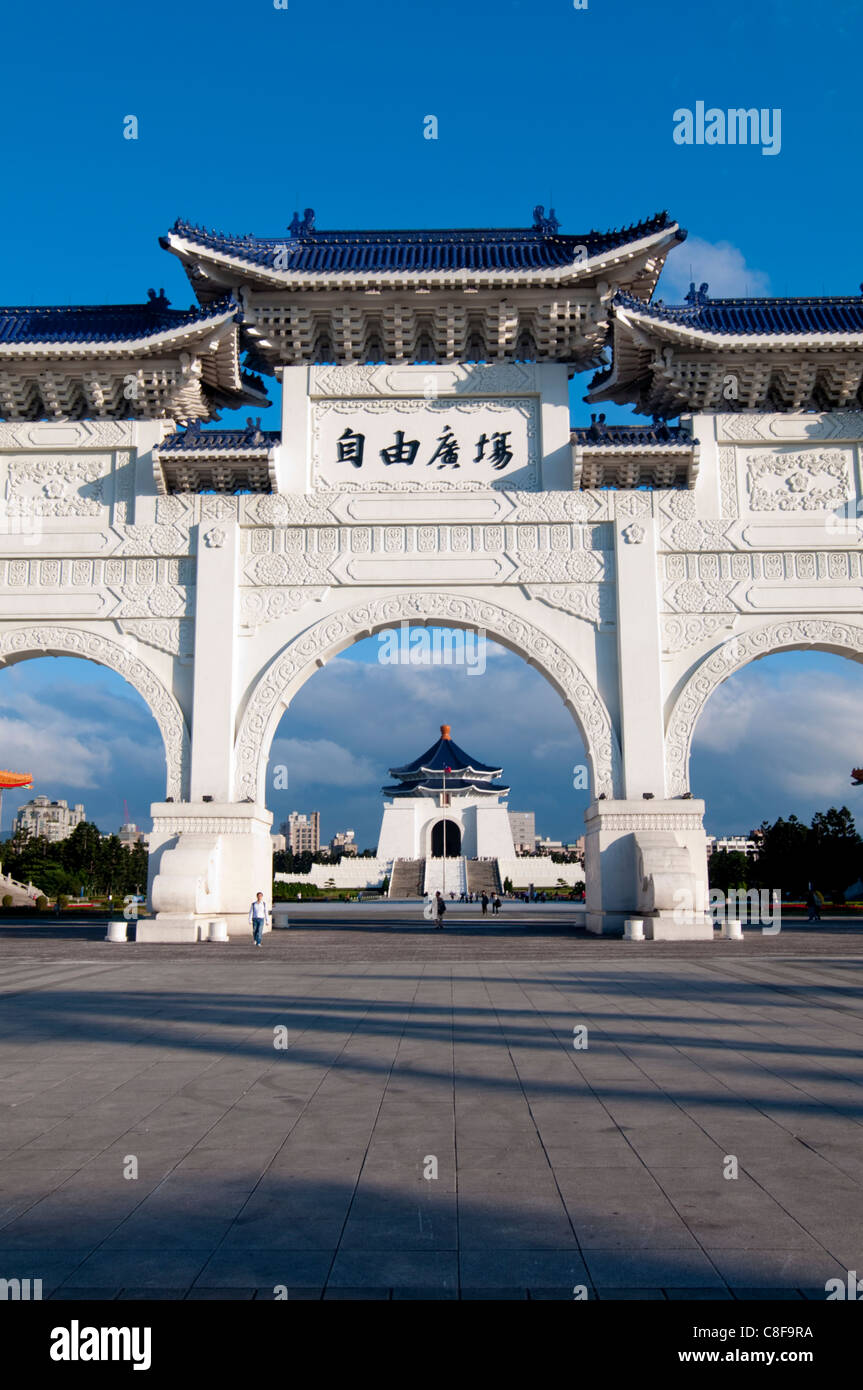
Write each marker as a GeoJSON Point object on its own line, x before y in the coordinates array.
{"type": "Point", "coordinates": [443, 847]}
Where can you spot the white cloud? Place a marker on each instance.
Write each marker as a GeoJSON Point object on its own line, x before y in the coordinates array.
{"type": "Point", "coordinates": [793, 733]}
{"type": "Point", "coordinates": [722, 266]}
{"type": "Point", "coordinates": [322, 763]}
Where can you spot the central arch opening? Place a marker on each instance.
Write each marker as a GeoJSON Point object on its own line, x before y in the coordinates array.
{"type": "Point", "coordinates": [445, 840]}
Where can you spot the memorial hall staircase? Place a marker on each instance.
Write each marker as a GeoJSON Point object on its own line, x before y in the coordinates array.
{"type": "Point", "coordinates": [406, 880]}
{"type": "Point", "coordinates": [483, 876]}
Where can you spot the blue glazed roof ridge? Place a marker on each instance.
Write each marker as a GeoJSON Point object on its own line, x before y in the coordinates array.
{"type": "Point", "coordinates": [422, 250]}
{"type": "Point", "coordinates": [775, 314]}
{"type": "Point", "coordinates": [43, 322]}
{"type": "Point", "coordinates": [610, 434]}
{"type": "Point", "coordinates": [656, 222]}
{"type": "Point", "coordinates": [202, 440]}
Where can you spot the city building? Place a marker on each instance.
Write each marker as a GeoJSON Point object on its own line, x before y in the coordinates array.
{"type": "Point", "coordinates": [303, 832]}
{"type": "Point", "coordinates": [54, 820]}
{"type": "Point", "coordinates": [343, 842]}
{"type": "Point", "coordinates": [741, 844]}
{"type": "Point", "coordinates": [545, 845]}
{"type": "Point", "coordinates": [129, 835]}
{"type": "Point", "coordinates": [279, 844]}
{"type": "Point", "coordinates": [523, 827]}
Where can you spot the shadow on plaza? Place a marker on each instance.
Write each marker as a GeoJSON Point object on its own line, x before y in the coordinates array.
{"type": "Point", "coordinates": [357, 1038]}
{"type": "Point", "coordinates": [245, 1223]}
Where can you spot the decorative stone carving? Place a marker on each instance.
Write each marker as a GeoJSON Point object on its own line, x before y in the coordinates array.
{"type": "Point", "coordinates": [696, 535]}
{"type": "Point", "coordinates": [683, 632]}
{"type": "Point", "coordinates": [700, 596]}
{"type": "Point", "coordinates": [635, 820]}
{"type": "Point", "coordinates": [160, 600]}
{"type": "Point", "coordinates": [807, 481]}
{"type": "Point", "coordinates": [267, 605]}
{"type": "Point", "coordinates": [560, 506]}
{"type": "Point", "coordinates": [438, 380]}
{"type": "Point", "coordinates": [560, 567]}
{"type": "Point", "coordinates": [633, 535]}
{"type": "Point", "coordinates": [48, 485]}
{"type": "Point", "coordinates": [215, 538]}
{"type": "Point", "coordinates": [218, 508]}
{"type": "Point", "coordinates": [76, 434]}
{"type": "Point", "coordinates": [302, 656]}
{"type": "Point", "coordinates": [632, 503]}
{"type": "Point", "coordinates": [581, 600]}
{"type": "Point", "coordinates": [277, 510]}
{"type": "Point", "coordinates": [38, 640]}
{"type": "Point", "coordinates": [744, 647]}
{"type": "Point", "coordinates": [746, 426]}
{"type": "Point", "coordinates": [729, 503]}
{"type": "Point", "coordinates": [175, 510]}
{"type": "Point", "coordinates": [152, 540]}
{"type": "Point", "coordinates": [173, 635]}
{"type": "Point", "coordinates": [678, 503]}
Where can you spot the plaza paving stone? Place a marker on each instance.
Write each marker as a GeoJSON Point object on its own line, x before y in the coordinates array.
{"type": "Point", "coordinates": [259, 1167]}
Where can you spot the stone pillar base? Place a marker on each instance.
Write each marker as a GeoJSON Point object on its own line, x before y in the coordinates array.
{"type": "Point", "coordinates": [207, 861]}
{"type": "Point", "coordinates": [664, 927]}
{"type": "Point", "coordinates": [616, 890]}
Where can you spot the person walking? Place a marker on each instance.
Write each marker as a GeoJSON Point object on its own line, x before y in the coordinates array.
{"type": "Point", "coordinates": [440, 909]}
{"type": "Point", "coordinates": [495, 907]}
{"type": "Point", "coordinates": [258, 917]}
{"type": "Point", "coordinates": [812, 904]}
{"type": "Point", "coordinates": [485, 904]}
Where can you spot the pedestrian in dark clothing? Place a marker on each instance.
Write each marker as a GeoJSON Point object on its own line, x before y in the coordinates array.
{"type": "Point", "coordinates": [812, 904]}
{"type": "Point", "coordinates": [440, 909]}
{"type": "Point", "coordinates": [485, 904]}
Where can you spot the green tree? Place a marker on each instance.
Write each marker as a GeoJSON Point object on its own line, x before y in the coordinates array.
{"type": "Point", "coordinates": [784, 861]}
{"type": "Point", "coordinates": [728, 869]}
{"type": "Point", "coordinates": [836, 851]}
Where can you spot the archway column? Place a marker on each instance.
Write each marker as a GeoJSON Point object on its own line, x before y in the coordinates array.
{"type": "Point", "coordinates": [645, 856]}
{"type": "Point", "coordinates": [210, 854]}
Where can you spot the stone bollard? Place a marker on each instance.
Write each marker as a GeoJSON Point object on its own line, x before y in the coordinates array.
{"type": "Point", "coordinates": [633, 929]}
{"type": "Point", "coordinates": [732, 930]}
{"type": "Point", "coordinates": [218, 930]}
{"type": "Point", "coordinates": [117, 931]}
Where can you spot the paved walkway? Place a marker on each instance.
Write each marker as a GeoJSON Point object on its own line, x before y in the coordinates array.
{"type": "Point", "coordinates": [556, 1167]}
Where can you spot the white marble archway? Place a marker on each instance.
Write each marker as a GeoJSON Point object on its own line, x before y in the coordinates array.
{"type": "Point", "coordinates": [845, 639]}
{"type": "Point", "coordinates": [297, 662]}
{"type": "Point", "coordinates": [34, 640]}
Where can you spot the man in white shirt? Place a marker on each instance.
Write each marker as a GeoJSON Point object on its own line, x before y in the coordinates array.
{"type": "Point", "coordinates": [258, 917]}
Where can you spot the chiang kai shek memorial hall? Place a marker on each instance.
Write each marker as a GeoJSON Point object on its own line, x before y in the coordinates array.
{"type": "Point", "coordinates": [426, 471]}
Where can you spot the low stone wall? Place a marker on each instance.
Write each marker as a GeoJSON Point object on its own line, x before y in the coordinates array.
{"type": "Point", "coordinates": [541, 872]}
{"type": "Point", "coordinates": [349, 873]}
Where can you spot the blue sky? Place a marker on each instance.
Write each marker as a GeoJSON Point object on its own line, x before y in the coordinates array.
{"type": "Point", "coordinates": [246, 112]}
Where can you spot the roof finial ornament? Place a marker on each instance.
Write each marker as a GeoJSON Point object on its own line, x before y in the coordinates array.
{"type": "Point", "coordinates": [697, 296]}
{"type": "Point", "coordinates": [444, 730]}
{"type": "Point", "coordinates": [549, 225]}
{"type": "Point", "coordinates": [302, 226]}
{"type": "Point", "coordinates": [158, 301]}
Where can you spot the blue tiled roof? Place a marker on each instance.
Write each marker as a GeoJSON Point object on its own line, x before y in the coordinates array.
{"type": "Point", "coordinates": [834, 314]}
{"type": "Point", "coordinates": [442, 754]}
{"type": "Point", "coordinates": [453, 784]}
{"type": "Point", "coordinates": [102, 323]}
{"type": "Point", "coordinates": [208, 441]}
{"type": "Point", "coordinates": [480, 249]}
{"type": "Point", "coordinates": [631, 436]}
